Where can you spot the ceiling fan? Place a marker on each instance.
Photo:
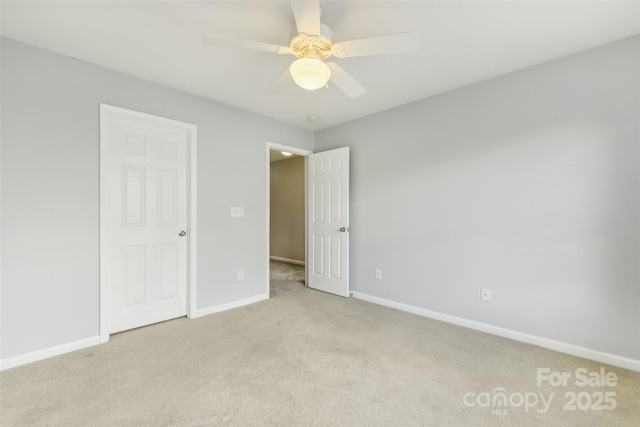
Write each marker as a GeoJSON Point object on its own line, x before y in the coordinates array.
{"type": "Point", "coordinates": [313, 45]}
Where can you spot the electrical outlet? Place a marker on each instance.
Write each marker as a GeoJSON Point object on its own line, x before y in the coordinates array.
{"type": "Point", "coordinates": [240, 275]}
{"type": "Point", "coordinates": [378, 274]}
{"type": "Point", "coordinates": [485, 294]}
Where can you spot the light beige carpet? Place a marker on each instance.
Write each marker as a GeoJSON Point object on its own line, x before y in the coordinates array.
{"type": "Point", "coordinates": [305, 359]}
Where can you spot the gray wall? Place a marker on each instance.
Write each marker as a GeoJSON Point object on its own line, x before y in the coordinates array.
{"type": "Point", "coordinates": [287, 208]}
{"type": "Point", "coordinates": [526, 184]}
{"type": "Point", "coordinates": [50, 192]}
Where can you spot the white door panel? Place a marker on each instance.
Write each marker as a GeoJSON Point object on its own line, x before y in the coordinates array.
{"type": "Point", "coordinates": [147, 193]}
{"type": "Point", "coordinates": [328, 235]}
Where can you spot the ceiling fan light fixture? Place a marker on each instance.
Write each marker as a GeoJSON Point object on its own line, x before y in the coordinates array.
{"type": "Point", "coordinates": [310, 73]}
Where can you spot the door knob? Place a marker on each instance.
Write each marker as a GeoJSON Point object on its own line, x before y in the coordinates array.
{"type": "Point", "coordinates": [344, 229]}
{"type": "Point", "coordinates": [182, 233]}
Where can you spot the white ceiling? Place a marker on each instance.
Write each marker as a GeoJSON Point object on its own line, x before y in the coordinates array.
{"type": "Point", "coordinates": [461, 43]}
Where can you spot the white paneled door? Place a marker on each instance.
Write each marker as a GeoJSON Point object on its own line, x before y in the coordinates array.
{"type": "Point", "coordinates": [146, 189]}
{"type": "Point", "coordinates": [328, 222]}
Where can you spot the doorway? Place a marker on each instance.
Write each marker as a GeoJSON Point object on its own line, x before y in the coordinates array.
{"type": "Point", "coordinates": [147, 219]}
{"type": "Point", "coordinates": [286, 219]}
{"type": "Point", "coordinates": [326, 199]}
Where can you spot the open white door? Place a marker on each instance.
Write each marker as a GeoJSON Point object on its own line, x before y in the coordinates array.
{"type": "Point", "coordinates": [328, 222]}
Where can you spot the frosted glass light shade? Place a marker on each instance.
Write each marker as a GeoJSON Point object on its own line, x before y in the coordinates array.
{"type": "Point", "coordinates": [310, 73]}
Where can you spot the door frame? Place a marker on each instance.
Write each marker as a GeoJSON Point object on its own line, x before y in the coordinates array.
{"type": "Point", "coordinates": [299, 152]}
{"type": "Point", "coordinates": [106, 112]}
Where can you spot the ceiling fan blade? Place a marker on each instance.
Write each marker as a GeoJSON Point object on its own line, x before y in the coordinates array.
{"type": "Point", "coordinates": [345, 82]}
{"type": "Point", "coordinates": [279, 84]}
{"type": "Point", "coordinates": [244, 44]}
{"type": "Point", "coordinates": [392, 43]}
{"type": "Point", "coordinates": [307, 14]}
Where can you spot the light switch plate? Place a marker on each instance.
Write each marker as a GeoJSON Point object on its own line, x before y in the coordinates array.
{"type": "Point", "coordinates": [237, 211]}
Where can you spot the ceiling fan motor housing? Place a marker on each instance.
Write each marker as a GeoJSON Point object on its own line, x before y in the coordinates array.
{"type": "Point", "coordinates": [321, 45]}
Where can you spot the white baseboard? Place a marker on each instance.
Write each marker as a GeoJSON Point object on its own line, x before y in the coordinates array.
{"type": "Point", "coordinates": [290, 261]}
{"type": "Point", "coordinates": [23, 359]}
{"type": "Point", "coordinates": [229, 305]}
{"type": "Point", "coordinates": [12, 362]}
{"type": "Point", "coordinates": [562, 347]}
